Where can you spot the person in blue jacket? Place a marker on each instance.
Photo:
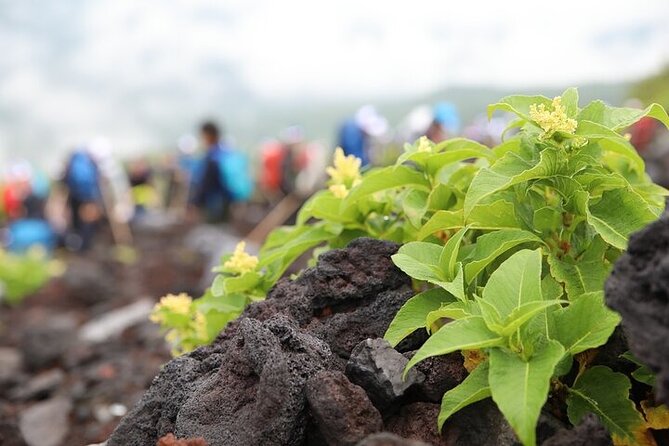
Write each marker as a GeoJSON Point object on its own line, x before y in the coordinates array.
{"type": "Point", "coordinates": [209, 191]}
{"type": "Point", "coordinates": [82, 178]}
{"type": "Point", "coordinates": [356, 134]}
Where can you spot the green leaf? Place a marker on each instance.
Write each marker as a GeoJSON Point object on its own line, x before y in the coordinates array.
{"type": "Point", "coordinates": [449, 255]}
{"type": "Point", "coordinates": [520, 388]}
{"type": "Point", "coordinates": [295, 243]}
{"type": "Point", "coordinates": [387, 178]}
{"type": "Point", "coordinates": [570, 101]}
{"type": "Point", "coordinates": [643, 374]}
{"type": "Point", "coordinates": [606, 394]}
{"type": "Point", "coordinates": [519, 105]}
{"type": "Point", "coordinates": [420, 260]}
{"type": "Point", "coordinates": [456, 286]}
{"type": "Point", "coordinates": [515, 282]}
{"type": "Point", "coordinates": [617, 214]}
{"type": "Point", "coordinates": [463, 334]}
{"type": "Point", "coordinates": [619, 118]}
{"type": "Point", "coordinates": [455, 310]}
{"type": "Point", "coordinates": [520, 316]}
{"type": "Point", "coordinates": [474, 388]}
{"type": "Point", "coordinates": [325, 206]}
{"type": "Point", "coordinates": [509, 170]}
{"type": "Point", "coordinates": [414, 206]}
{"type": "Point", "coordinates": [499, 214]}
{"type": "Point", "coordinates": [586, 323]}
{"type": "Point", "coordinates": [413, 314]}
{"type": "Point", "coordinates": [491, 246]}
{"type": "Point", "coordinates": [580, 277]}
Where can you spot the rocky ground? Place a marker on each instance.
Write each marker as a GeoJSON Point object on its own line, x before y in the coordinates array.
{"type": "Point", "coordinates": [77, 355]}
{"type": "Point", "coordinates": [308, 367]}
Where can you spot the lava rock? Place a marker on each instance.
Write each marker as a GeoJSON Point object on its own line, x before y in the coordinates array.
{"type": "Point", "coordinates": [481, 424]}
{"type": "Point", "coordinates": [46, 423]}
{"type": "Point", "coordinates": [441, 373]}
{"type": "Point", "coordinates": [418, 421]}
{"type": "Point", "coordinates": [388, 439]}
{"type": "Point", "coordinates": [638, 288]}
{"type": "Point", "coordinates": [590, 432]}
{"type": "Point", "coordinates": [378, 368]}
{"type": "Point", "coordinates": [44, 344]}
{"type": "Point", "coordinates": [155, 414]}
{"type": "Point", "coordinates": [257, 396]}
{"type": "Point", "coordinates": [247, 387]}
{"type": "Point", "coordinates": [342, 410]}
{"type": "Point", "coordinates": [171, 440]}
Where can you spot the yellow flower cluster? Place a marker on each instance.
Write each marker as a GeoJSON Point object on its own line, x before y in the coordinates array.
{"type": "Point", "coordinates": [344, 174]}
{"type": "Point", "coordinates": [555, 120]}
{"type": "Point", "coordinates": [424, 144]}
{"type": "Point", "coordinates": [175, 304]}
{"type": "Point", "coordinates": [241, 262]}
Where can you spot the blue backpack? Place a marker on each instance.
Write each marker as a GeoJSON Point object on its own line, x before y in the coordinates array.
{"type": "Point", "coordinates": [82, 177]}
{"type": "Point", "coordinates": [234, 172]}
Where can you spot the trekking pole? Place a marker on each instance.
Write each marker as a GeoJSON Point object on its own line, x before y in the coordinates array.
{"type": "Point", "coordinates": [120, 230]}
{"type": "Point", "coordinates": [276, 217]}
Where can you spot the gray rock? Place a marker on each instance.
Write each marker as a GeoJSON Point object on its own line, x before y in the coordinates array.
{"type": "Point", "coordinates": [343, 412]}
{"type": "Point", "coordinates": [378, 368]}
{"type": "Point", "coordinates": [113, 323]}
{"type": "Point", "coordinates": [388, 439]}
{"type": "Point", "coordinates": [40, 386]}
{"type": "Point", "coordinates": [46, 423]}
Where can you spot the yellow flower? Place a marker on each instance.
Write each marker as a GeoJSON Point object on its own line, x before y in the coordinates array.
{"type": "Point", "coordinates": [346, 169]}
{"type": "Point", "coordinates": [339, 190]}
{"type": "Point", "coordinates": [241, 262]}
{"type": "Point", "coordinates": [179, 304]}
{"type": "Point", "coordinates": [424, 145]}
{"type": "Point", "coordinates": [552, 121]}
{"type": "Point", "coordinates": [200, 326]}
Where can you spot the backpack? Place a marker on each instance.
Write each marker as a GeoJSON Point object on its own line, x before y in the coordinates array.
{"type": "Point", "coordinates": [234, 173]}
{"type": "Point", "coordinates": [82, 177]}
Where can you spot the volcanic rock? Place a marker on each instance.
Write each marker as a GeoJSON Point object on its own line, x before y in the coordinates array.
{"type": "Point", "coordinates": [342, 410]}
{"type": "Point", "coordinates": [378, 368]}
{"type": "Point", "coordinates": [638, 289]}
{"type": "Point", "coordinates": [590, 432]}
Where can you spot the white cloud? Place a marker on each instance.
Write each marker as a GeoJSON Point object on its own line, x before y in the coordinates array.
{"type": "Point", "coordinates": [120, 65]}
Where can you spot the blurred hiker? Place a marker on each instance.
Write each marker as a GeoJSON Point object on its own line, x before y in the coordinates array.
{"type": "Point", "coordinates": [445, 123]}
{"type": "Point", "coordinates": [356, 135]}
{"type": "Point", "coordinates": [437, 123]}
{"type": "Point", "coordinates": [223, 177]}
{"type": "Point", "coordinates": [143, 191]}
{"type": "Point", "coordinates": [24, 199]}
{"type": "Point", "coordinates": [82, 178]}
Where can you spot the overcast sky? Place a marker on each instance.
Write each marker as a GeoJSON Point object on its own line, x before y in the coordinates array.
{"type": "Point", "coordinates": [76, 65]}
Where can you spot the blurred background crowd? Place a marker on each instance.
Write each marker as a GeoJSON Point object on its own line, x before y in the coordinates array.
{"type": "Point", "coordinates": [207, 178]}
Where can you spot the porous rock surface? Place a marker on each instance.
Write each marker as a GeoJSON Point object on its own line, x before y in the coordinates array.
{"type": "Point", "coordinates": [276, 376]}
{"type": "Point", "coordinates": [638, 289]}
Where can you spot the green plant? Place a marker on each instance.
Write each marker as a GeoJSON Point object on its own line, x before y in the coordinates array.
{"type": "Point", "coordinates": [509, 248]}
{"type": "Point", "coordinates": [523, 287]}
{"type": "Point", "coordinates": [21, 275]}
